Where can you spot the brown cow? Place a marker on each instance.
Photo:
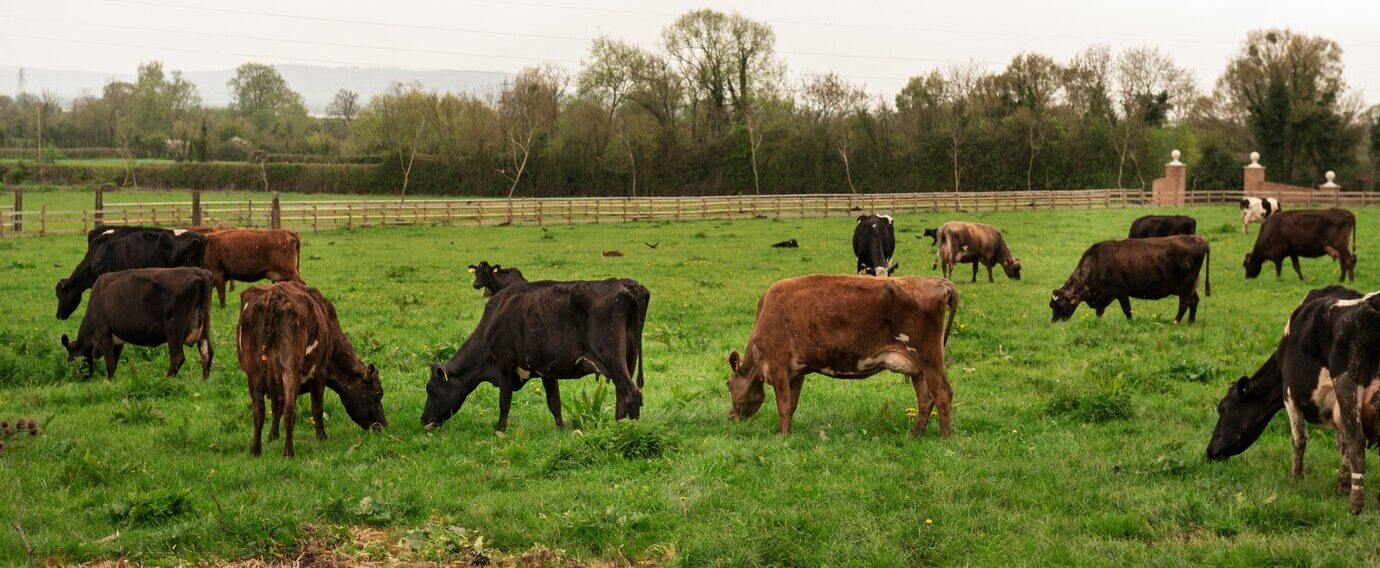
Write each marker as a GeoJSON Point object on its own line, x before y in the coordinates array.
{"type": "Point", "coordinates": [975, 243]}
{"type": "Point", "coordinates": [288, 338]}
{"type": "Point", "coordinates": [249, 255]}
{"type": "Point", "coordinates": [846, 327]}
{"type": "Point", "coordinates": [205, 230]}
{"type": "Point", "coordinates": [1310, 234]}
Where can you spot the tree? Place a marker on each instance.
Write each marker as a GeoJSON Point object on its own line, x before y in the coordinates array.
{"type": "Point", "coordinates": [344, 106]}
{"type": "Point", "coordinates": [1373, 125]}
{"type": "Point", "coordinates": [1029, 87]}
{"type": "Point", "coordinates": [831, 101]}
{"type": "Point", "coordinates": [1149, 87]}
{"type": "Point", "coordinates": [395, 122]}
{"type": "Point", "coordinates": [262, 97]}
{"type": "Point", "coordinates": [528, 108]}
{"type": "Point", "coordinates": [609, 77]}
{"type": "Point", "coordinates": [724, 57]}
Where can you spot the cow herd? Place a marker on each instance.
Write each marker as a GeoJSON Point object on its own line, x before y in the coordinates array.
{"type": "Point", "coordinates": [152, 287]}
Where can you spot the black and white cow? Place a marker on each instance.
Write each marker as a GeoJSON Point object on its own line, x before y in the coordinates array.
{"type": "Point", "coordinates": [146, 307]}
{"type": "Point", "coordinates": [111, 249]}
{"type": "Point", "coordinates": [1324, 372]}
{"type": "Point", "coordinates": [1257, 210]}
{"type": "Point", "coordinates": [874, 243]}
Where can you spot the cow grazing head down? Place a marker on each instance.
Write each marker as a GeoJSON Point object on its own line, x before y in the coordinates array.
{"type": "Point", "coordinates": [1242, 416]}
{"type": "Point", "coordinates": [77, 348]}
{"type": "Point", "coordinates": [444, 396]}
{"type": "Point", "coordinates": [69, 297]}
{"type": "Point", "coordinates": [1063, 303]}
{"type": "Point", "coordinates": [1252, 265]}
{"type": "Point", "coordinates": [933, 234]}
{"type": "Point", "coordinates": [744, 389]}
{"type": "Point", "coordinates": [880, 270]}
{"type": "Point", "coordinates": [362, 396]}
{"type": "Point", "coordinates": [1012, 268]}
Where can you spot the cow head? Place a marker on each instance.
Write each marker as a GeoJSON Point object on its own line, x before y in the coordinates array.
{"type": "Point", "coordinates": [888, 270]}
{"type": "Point", "coordinates": [1252, 265]}
{"type": "Point", "coordinates": [1242, 416]}
{"type": "Point", "coordinates": [744, 389]}
{"type": "Point", "coordinates": [1063, 303]}
{"type": "Point", "coordinates": [484, 277]}
{"type": "Point", "coordinates": [80, 348]}
{"type": "Point", "coordinates": [362, 396]}
{"type": "Point", "coordinates": [933, 234]}
{"type": "Point", "coordinates": [1012, 268]}
{"type": "Point", "coordinates": [69, 297]}
{"type": "Point", "coordinates": [445, 394]}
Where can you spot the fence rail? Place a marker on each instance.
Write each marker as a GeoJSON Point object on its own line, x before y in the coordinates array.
{"type": "Point", "coordinates": [323, 215]}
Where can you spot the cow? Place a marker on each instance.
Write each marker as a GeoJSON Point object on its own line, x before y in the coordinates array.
{"type": "Point", "coordinates": [933, 234]}
{"type": "Point", "coordinates": [846, 327]}
{"type": "Point", "coordinates": [112, 249]}
{"type": "Point", "coordinates": [494, 278]}
{"type": "Point", "coordinates": [289, 339]}
{"type": "Point", "coordinates": [1323, 372]}
{"type": "Point", "coordinates": [1147, 269]}
{"type": "Point", "coordinates": [1310, 234]}
{"type": "Point", "coordinates": [551, 331]}
{"type": "Point", "coordinates": [874, 243]}
{"type": "Point", "coordinates": [1255, 209]}
{"type": "Point", "coordinates": [249, 255]}
{"type": "Point", "coordinates": [1163, 226]}
{"type": "Point", "coordinates": [146, 307]}
{"type": "Point", "coordinates": [975, 243]}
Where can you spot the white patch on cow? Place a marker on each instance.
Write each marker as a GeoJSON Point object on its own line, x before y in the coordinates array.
{"type": "Point", "coordinates": [312, 347]}
{"type": "Point", "coordinates": [310, 372]}
{"type": "Point", "coordinates": [902, 337]}
{"type": "Point", "coordinates": [246, 306]}
{"type": "Point", "coordinates": [1350, 303]}
{"type": "Point", "coordinates": [890, 360]}
{"type": "Point", "coordinates": [1053, 296]}
{"type": "Point", "coordinates": [116, 339]}
{"type": "Point", "coordinates": [523, 374]}
{"type": "Point", "coordinates": [193, 336]}
{"type": "Point", "coordinates": [1357, 476]}
{"type": "Point", "coordinates": [887, 217]}
{"type": "Point", "coordinates": [204, 347]}
{"type": "Point", "coordinates": [1286, 328]}
{"type": "Point", "coordinates": [1325, 397]}
{"type": "Point", "coordinates": [108, 231]}
{"type": "Point", "coordinates": [178, 232]}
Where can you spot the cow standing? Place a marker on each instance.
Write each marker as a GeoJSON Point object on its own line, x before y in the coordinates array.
{"type": "Point", "coordinates": [1310, 234]}
{"type": "Point", "coordinates": [551, 331]}
{"type": "Point", "coordinates": [846, 327]}
{"type": "Point", "coordinates": [1162, 226]}
{"type": "Point", "coordinates": [1147, 269]}
{"type": "Point", "coordinates": [146, 307]}
{"type": "Point", "coordinates": [493, 278]}
{"type": "Point", "coordinates": [112, 249]}
{"type": "Point", "coordinates": [1255, 209]}
{"type": "Point", "coordinates": [288, 339]}
{"type": "Point", "coordinates": [975, 243]}
{"type": "Point", "coordinates": [249, 255]}
{"type": "Point", "coordinates": [874, 243]}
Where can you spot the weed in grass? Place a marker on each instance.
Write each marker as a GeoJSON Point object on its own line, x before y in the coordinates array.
{"type": "Point", "coordinates": [1104, 402]}
{"type": "Point", "coordinates": [137, 412]}
{"type": "Point", "coordinates": [400, 272]}
{"type": "Point", "coordinates": [150, 507]}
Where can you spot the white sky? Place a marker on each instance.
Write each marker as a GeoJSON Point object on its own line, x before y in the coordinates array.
{"type": "Point", "coordinates": [879, 43]}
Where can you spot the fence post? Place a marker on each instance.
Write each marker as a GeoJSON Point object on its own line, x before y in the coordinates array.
{"type": "Point", "coordinates": [43, 221]}
{"type": "Point", "coordinates": [275, 213]}
{"type": "Point", "coordinates": [100, 208]}
{"type": "Point", "coordinates": [18, 209]}
{"type": "Point", "coordinates": [196, 206]}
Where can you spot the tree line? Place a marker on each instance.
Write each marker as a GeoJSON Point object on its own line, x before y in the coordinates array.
{"type": "Point", "coordinates": [713, 110]}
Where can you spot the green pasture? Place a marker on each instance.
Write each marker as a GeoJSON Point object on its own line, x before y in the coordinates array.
{"type": "Point", "coordinates": [1078, 443]}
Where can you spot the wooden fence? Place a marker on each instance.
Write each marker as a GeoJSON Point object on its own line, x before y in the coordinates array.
{"type": "Point", "coordinates": [323, 215]}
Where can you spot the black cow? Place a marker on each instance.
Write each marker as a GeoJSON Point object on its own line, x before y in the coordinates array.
{"type": "Point", "coordinates": [493, 279]}
{"type": "Point", "coordinates": [146, 307]}
{"type": "Point", "coordinates": [1323, 372]}
{"type": "Point", "coordinates": [1310, 234]}
{"type": "Point", "coordinates": [552, 331]}
{"type": "Point", "coordinates": [933, 234]}
{"type": "Point", "coordinates": [1148, 269]}
{"type": "Point", "coordinates": [112, 249]}
{"type": "Point", "coordinates": [874, 243]}
{"type": "Point", "coordinates": [1163, 226]}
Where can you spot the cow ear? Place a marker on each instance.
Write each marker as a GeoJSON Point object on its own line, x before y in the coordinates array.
{"type": "Point", "coordinates": [496, 267]}
{"type": "Point", "coordinates": [893, 268]}
{"type": "Point", "coordinates": [437, 373]}
{"type": "Point", "coordinates": [66, 343]}
{"type": "Point", "coordinates": [473, 269]}
{"type": "Point", "coordinates": [1240, 386]}
{"type": "Point", "coordinates": [373, 371]}
{"type": "Point", "coordinates": [733, 361]}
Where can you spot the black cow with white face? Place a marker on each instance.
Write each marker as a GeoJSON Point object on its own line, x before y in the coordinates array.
{"type": "Point", "coordinates": [874, 243]}
{"type": "Point", "coordinates": [146, 307]}
{"type": "Point", "coordinates": [1324, 372]}
{"type": "Point", "coordinates": [493, 278]}
{"type": "Point", "coordinates": [111, 249]}
{"type": "Point", "coordinates": [550, 331]}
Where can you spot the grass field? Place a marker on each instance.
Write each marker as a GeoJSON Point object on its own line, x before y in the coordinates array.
{"type": "Point", "coordinates": [1077, 443]}
{"type": "Point", "coordinates": [68, 198]}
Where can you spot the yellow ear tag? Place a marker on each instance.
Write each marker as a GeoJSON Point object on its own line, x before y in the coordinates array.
{"type": "Point", "coordinates": [471, 271]}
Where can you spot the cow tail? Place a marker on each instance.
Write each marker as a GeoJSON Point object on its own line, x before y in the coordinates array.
{"type": "Point", "coordinates": [268, 327]}
{"type": "Point", "coordinates": [953, 311]}
{"type": "Point", "coordinates": [1207, 269]}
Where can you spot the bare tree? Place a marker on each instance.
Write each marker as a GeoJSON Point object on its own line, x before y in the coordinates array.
{"type": "Point", "coordinates": [832, 101]}
{"type": "Point", "coordinates": [958, 100]}
{"type": "Point", "coordinates": [528, 107]}
{"type": "Point", "coordinates": [344, 106]}
{"type": "Point", "coordinates": [1148, 87]}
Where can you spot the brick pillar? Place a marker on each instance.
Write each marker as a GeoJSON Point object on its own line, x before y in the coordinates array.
{"type": "Point", "coordinates": [1168, 191]}
{"type": "Point", "coordinates": [1253, 178]}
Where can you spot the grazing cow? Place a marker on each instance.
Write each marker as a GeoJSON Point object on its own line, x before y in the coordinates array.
{"type": "Point", "coordinates": [846, 327]}
{"type": "Point", "coordinates": [551, 331]}
{"type": "Point", "coordinates": [493, 279]}
{"type": "Point", "coordinates": [1326, 374]}
{"type": "Point", "coordinates": [147, 307]}
{"type": "Point", "coordinates": [975, 243]}
{"type": "Point", "coordinates": [1147, 269]}
{"type": "Point", "coordinates": [933, 234]}
{"type": "Point", "coordinates": [1255, 209]}
{"type": "Point", "coordinates": [289, 339]}
{"type": "Point", "coordinates": [1163, 226]}
{"type": "Point", "coordinates": [112, 249]}
{"type": "Point", "coordinates": [249, 255]}
{"type": "Point", "coordinates": [1309, 234]}
{"type": "Point", "coordinates": [874, 243]}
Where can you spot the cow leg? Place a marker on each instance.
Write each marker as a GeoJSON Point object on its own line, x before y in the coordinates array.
{"type": "Point", "coordinates": [1125, 306]}
{"type": "Point", "coordinates": [256, 400]}
{"type": "Point", "coordinates": [1295, 260]}
{"type": "Point", "coordinates": [781, 386]}
{"type": "Point", "coordinates": [318, 418]}
{"type": "Point", "coordinates": [975, 270]}
{"type": "Point", "coordinates": [924, 405]}
{"type": "Point", "coordinates": [176, 358]}
{"type": "Point", "coordinates": [553, 399]}
{"type": "Point", "coordinates": [1343, 470]}
{"type": "Point", "coordinates": [989, 274]}
{"type": "Point", "coordinates": [938, 383]}
{"type": "Point", "coordinates": [277, 401]}
{"type": "Point", "coordinates": [1298, 429]}
{"type": "Point", "coordinates": [290, 389]}
{"type": "Point", "coordinates": [1193, 307]}
{"type": "Point", "coordinates": [219, 279]}
{"type": "Point", "coordinates": [208, 353]}
{"type": "Point", "coordinates": [505, 401]}
{"type": "Point", "coordinates": [1183, 308]}
{"type": "Point", "coordinates": [1279, 268]}
{"type": "Point", "coordinates": [796, 383]}
{"type": "Point", "coordinates": [112, 360]}
{"type": "Point", "coordinates": [1353, 438]}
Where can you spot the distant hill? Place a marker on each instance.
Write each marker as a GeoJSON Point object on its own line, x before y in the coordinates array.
{"type": "Point", "coordinates": [316, 84]}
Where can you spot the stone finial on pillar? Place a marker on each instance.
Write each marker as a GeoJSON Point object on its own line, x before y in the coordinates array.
{"type": "Point", "coordinates": [1253, 178]}
{"type": "Point", "coordinates": [1174, 158]}
{"type": "Point", "coordinates": [1331, 181]}
{"type": "Point", "coordinates": [1255, 161]}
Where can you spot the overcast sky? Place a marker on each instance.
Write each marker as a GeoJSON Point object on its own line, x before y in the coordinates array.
{"type": "Point", "coordinates": [879, 43]}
